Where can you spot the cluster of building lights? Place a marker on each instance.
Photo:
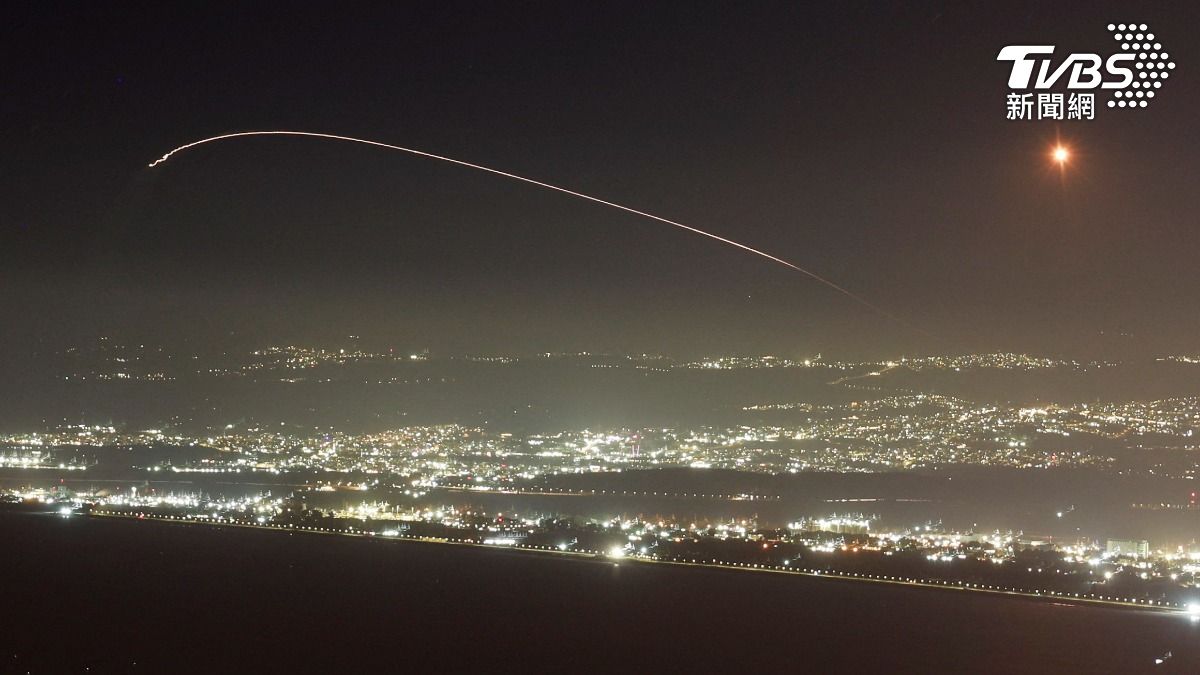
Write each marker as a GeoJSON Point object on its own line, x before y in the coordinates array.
{"type": "Point", "coordinates": [833, 542]}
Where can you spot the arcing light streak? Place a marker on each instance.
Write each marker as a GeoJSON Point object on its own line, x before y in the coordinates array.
{"type": "Point", "coordinates": [548, 186]}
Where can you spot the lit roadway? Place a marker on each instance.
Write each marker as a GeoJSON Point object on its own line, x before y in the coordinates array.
{"type": "Point", "coordinates": [873, 373]}
{"type": "Point", "coordinates": [564, 492]}
{"type": "Point", "coordinates": [613, 557]}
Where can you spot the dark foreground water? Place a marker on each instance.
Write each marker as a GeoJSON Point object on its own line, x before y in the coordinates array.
{"type": "Point", "coordinates": [121, 596]}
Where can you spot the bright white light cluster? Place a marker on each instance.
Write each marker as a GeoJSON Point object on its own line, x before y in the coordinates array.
{"type": "Point", "coordinates": [1152, 65]}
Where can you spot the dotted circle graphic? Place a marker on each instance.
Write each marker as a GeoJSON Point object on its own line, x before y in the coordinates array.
{"type": "Point", "coordinates": [1149, 66]}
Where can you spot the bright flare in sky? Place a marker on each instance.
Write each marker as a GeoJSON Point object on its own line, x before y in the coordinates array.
{"type": "Point", "coordinates": [1061, 154]}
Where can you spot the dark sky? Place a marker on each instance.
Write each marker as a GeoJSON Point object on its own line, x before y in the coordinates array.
{"type": "Point", "coordinates": [866, 142]}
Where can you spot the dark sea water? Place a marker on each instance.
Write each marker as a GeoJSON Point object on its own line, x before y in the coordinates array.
{"type": "Point", "coordinates": [123, 596]}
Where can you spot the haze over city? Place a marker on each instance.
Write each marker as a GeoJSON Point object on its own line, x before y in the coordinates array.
{"type": "Point", "coordinates": [436, 337]}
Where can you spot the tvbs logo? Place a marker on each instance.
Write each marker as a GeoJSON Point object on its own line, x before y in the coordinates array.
{"type": "Point", "coordinates": [1133, 76]}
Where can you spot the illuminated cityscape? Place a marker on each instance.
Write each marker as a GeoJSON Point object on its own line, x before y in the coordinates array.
{"type": "Point", "coordinates": [418, 481]}
{"type": "Point", "coordinates": [880, 426]}
{"type": "Point", "coordinates": [1117, 572]}
{"type": "Point", "coordinates": [600, 338]}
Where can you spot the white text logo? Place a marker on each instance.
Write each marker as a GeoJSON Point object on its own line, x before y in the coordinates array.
{"type": "Point", "coordinates": [1133, 75]}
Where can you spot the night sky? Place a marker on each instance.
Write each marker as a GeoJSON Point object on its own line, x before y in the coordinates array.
{"type": "Point", "coordinates": [866, 142]}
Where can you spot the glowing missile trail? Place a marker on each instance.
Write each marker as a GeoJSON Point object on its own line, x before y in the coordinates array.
{"type": "Point", "coordinates": [548, 186]}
